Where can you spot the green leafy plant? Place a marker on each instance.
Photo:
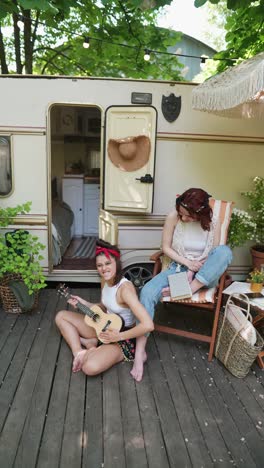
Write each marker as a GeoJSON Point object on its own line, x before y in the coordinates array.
{"type": "Point", "coordinates": [256, 208]}
{"type": "Point", "coordinates": [256, 276]}
{"type": "Point", "coordinates": [242, 228]}
{"type": "Point", "coordinates": [20, 251]}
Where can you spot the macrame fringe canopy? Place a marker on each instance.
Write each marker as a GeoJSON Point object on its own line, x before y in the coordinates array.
{"type": "Point", "coordinates": [237, 92]}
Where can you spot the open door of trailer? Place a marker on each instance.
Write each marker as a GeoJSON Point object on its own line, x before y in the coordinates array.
{"type": "Point", "coordinates": [108, 227]}
{"type": "Point", "coordinates": [129, 158]}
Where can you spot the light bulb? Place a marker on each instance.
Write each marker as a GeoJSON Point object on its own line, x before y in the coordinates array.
{"type": "Point", "coordinates": [147, 55]}
{"type": "Point", "coordinates": [86, 43]}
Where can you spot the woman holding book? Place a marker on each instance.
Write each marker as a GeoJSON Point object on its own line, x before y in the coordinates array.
{"type": "Point", "coordinates": [191, 237]}
{"type": "Point", "coordinates": [94, 354]}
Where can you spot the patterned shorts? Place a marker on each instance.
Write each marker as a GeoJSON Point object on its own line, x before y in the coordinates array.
{"type": "Point", "coordinates": [128, 348]}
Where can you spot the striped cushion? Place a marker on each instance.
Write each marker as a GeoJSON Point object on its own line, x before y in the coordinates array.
{"type": "Point", "coordinates": [222, 209]}
{"type": "Point", "coordinates": [203, 295]}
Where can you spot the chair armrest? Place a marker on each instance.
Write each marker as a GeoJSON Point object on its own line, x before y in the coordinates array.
{"type": "Point", "coordinates": [154, 257]}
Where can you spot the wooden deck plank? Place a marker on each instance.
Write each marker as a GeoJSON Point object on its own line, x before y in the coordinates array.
{"type": "Point", "coordinates": [50, 449]}
{"type": "Point", "coordinates": [226, 406]}
{"type": "Point", "coordinates": [230, 432]}
{"type": "Point", "coordinates": [11, 344]}
{"type": "Point", "coordinates": [114, 449]}
{"type": "Point", "coordinates": [173, 437]}
{"type": "Point", "coordinates": [18, 362]}
{"type": "Point", "coordinates": [21, 404]}
{"type": "Point", "coordinates": [191, 431]}
{"type": "Point", "coordinates": [132, 429]}
{"type": "Point", "coordinates": [29, 443]}
{"type": "Point", "coordinates": [73, 437]}
{"type": "Point", "coordinates": [249, 434]}
{"type": "Point", "coordinates": [185, 412]}
{"type": "Point", "coordinates": [7, 322]}
{"type": "Point", "coordinates": [93, 450]}
{"type": "Point", "coordinates": [208, 426]}
{"type": "Point", "coordinates": [93, 416]}
{"type": "Point", "coordinates": [153, 436]}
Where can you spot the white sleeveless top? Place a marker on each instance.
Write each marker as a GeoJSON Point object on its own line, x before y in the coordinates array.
{"type": "Point", "coordinates": [191, 241]}
{"type": "Point", "coordinates": [110, 302]}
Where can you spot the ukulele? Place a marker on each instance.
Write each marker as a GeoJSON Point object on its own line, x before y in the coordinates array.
{"type": "Point", "coordinates": [95, 317]}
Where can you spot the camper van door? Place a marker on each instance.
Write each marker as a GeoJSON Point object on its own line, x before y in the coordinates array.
{"type": "Point", "coordinates": [108, 227]}
{"type": "Point", "coordinates": [129, 158]}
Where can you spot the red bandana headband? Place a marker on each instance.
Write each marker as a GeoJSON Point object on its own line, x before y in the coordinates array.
{"type": "Point", "coordinates": [106, 252]}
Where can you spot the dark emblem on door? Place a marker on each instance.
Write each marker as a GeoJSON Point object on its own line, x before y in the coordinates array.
{"type": "Point", "coordinates": [171, 107]}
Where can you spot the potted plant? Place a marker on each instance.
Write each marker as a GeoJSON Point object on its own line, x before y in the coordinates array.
{"type": "Point", "coordinates": [256, 208]}
{"type": "Point", "coordinates": [256, 279]}
{"type": "Point", "coordinates": [242, 228]}
{"type": "Point", "coordinates": [20, 256]}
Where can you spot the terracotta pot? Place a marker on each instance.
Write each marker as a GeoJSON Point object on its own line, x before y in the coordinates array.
{"type": "Point", "coordinates": [256, 287]}
{"type": "Point", "coordinates": [257, 257]}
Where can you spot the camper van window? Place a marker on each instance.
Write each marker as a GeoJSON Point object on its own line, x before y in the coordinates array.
{"type": "Point", "coordinates": [5, 167]}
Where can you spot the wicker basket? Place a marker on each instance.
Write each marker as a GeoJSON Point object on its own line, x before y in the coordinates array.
{"type": "Point", "coordinates": [240, 356]}
{"type": "Point", "coordinates": [9, 301]}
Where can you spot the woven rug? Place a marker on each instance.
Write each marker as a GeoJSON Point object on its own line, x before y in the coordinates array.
{"type": "Point", "coordinates": [86, 249]}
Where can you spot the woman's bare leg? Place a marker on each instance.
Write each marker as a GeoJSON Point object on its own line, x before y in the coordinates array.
{"type": "Point", "coordinates": [140, 358]}
{"type": "Point", "coordinates": [72, 326]}
{"type": "Point", "coordinates": [88, 342]}
{"type": "Point", "coordinates": [96, 360]}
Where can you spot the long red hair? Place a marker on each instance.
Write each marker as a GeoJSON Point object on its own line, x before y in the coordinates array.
{"type": "Point", "coordinates": [196, 202]}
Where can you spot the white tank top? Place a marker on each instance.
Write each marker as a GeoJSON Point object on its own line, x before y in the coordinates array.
{"type": "Point", "coordinates": [110, 302]}
{"type": "Point", "coordinates": [191, 241]}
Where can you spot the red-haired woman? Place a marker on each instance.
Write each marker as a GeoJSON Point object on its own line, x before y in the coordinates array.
{"type": "Point", "coordinates": [191, 236]}
{"type": "Point", "coordinates": [118, 296]}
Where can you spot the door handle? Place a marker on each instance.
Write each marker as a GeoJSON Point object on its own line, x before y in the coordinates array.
{"type": "Point", "coordinates": [146, 179]}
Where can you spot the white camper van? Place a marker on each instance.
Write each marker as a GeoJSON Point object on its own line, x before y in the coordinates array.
{"type": "Point", "coordinates": [55, 151]}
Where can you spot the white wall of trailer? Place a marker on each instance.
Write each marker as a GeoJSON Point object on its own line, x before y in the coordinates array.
{"type": "Point", "coordinates": [198, 149]}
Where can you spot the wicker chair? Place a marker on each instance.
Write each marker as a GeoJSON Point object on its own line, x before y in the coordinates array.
{"type": "Point", "coordinates": [210, 299]}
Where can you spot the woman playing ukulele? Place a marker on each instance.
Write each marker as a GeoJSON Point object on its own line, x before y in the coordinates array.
{"type": "Point", "coordinates": [93, 354]}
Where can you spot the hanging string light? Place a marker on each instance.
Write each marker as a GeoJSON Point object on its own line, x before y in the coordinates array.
{"type": "Point", "coordinates": [86, 42]}
{"type": "Point", "coordinates": [146, 55]}
{"type": "Point", "coordinates": [147, 52]}
{"type": "Point", "coordinates": [20, 22]}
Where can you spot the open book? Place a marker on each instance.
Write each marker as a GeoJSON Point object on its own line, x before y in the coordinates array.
{"type": "Point", "coordinates": [179, 286]}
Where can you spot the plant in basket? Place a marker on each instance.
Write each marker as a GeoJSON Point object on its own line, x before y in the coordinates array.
{"type": "Point", "coordinates": [21, 274]}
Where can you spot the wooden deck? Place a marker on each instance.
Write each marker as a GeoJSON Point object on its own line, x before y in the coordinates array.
{"type": "Point", "coordinates": [185, 413]}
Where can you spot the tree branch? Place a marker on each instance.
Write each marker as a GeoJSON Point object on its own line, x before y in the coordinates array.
{"type": "Point", "coordinates": [4, 68]}
{"type": "Point", "coordinates": [17, 44]}
{"type": "Point", "coordinates": [56, 54]}
{"type": "Point", "coordinates": [27, 42]}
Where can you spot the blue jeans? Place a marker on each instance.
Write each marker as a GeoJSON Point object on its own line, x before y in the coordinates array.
{"type": "Point", "coordinates": [216, 263]}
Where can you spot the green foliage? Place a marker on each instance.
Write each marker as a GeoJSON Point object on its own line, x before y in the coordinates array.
{"type": "Point", "coordinates": [245, 29]}
{"type": "Point", "coordinates": [57, 29]}
{"type": "Point", "coordinates": [256, 207]}
{"type": "Point", "coordinates": [256, 276]}
{"type": "Point", "coordinates": [20, 251]}
{"type": "Point", "coordinates": [231, 4]}
{"type": "Point", "coordinates": [8, 214]}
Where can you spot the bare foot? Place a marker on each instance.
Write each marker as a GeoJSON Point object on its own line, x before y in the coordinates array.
{"type": "Point", "coordinates": [78, 360]}
{"type": "Point", "coordinates": [138, 366]}
{"type": "Point", "coordinates": [89, 342]}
